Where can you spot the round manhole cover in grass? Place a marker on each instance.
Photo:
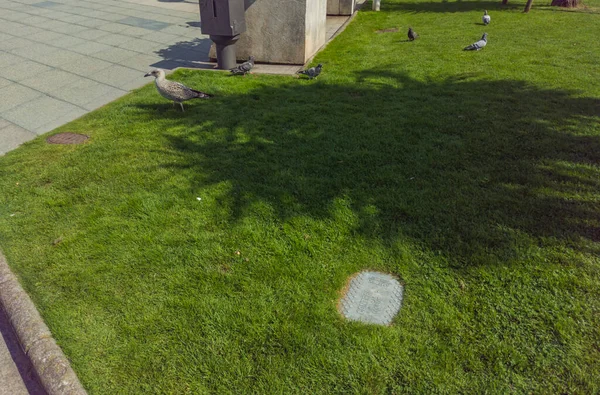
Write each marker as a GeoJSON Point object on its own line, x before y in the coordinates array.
{"type": "Point", "coordinates": [372, 298]}
{"type": "Point", "coordinates": [67, 138]}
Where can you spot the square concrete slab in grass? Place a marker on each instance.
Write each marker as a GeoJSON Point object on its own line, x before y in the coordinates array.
{"type": "Point", "coordinates": [36, 113]}
{"type": "Point", "coordinates": [11, 136]}
{"type": "Point", "coordinates": [24, 70]}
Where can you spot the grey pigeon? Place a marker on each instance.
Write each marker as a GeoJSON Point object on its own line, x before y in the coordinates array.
{"type": "Point", "coordinates": [411, 34]}
{"type": "Point", "coordinates": [478, 45]}
{"type": "Point", "coordinates": [313, 72]}
{"type": "Point", "coordinates": [486, 18]}
{"type": "Point", "coordinates": [174, 91]}
{"type": "Point", "coordinates": [244, 67]}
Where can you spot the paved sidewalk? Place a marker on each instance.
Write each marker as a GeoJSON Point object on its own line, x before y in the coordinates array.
{"type": "Point", "coordinates": [63, 58]}
{"type": "Point", "coordinates": [17, 376]}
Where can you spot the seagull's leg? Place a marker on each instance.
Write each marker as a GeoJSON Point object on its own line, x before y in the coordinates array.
{"type": "Point", "coordinates": [181, 104]}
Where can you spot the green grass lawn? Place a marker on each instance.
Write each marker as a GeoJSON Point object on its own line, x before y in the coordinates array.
{"type": "Point", "coordinates": [473, 177]}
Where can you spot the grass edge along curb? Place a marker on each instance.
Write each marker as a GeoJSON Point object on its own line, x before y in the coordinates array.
{"type": "Point", "coordinates": [50, 364]}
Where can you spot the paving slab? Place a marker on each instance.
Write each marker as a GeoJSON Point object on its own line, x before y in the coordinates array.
{"type": "Point", "coordinates": [14, 95]}
{"type": "Point", "coordinates": [85, 91]}
{"type": "Point", "coordinates": [34, 114]}
{"type": "Point", "coordinates": [52, 82]}
{"type": "Point", "coordinates": [11, 136]}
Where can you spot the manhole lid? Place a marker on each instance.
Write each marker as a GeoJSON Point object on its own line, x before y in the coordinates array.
{"type": "Point", "coordinates": [67, 138]}
{"type": "Point", "coordinates": [388, 30]}
{"type": "Point", "coordinates": [372, 297]}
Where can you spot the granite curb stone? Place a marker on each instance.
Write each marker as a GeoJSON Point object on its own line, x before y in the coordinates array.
{"type": "Point", "coordinates": [48, 360]}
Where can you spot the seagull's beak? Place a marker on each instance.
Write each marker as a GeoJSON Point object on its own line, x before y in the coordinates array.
{"type": "Point", "coordinates": [147, 74]}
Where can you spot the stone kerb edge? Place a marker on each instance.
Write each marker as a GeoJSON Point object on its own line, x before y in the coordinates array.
{"type": "Point", "coordinates": [51, 366]}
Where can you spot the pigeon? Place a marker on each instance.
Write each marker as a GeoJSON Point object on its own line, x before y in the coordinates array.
{"type": "Point", "coordinates": [478, 45]}
{"type": "Point", "coordinates": [486, 18]}
{"type": "Point", "coordinates": [244, 67]}
{"type": "Point", "coordinates": [313, 72]}
{"type": "Point", "coordinates": [174, 91]}
{"type": "Point", "coordinates": [411, 34]}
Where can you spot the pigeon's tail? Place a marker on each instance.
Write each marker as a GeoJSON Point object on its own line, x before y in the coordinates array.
{"type": "Point", "coordinates": [201, 95]}
{"type": "Point", "coordinates": [471, 47]}
{"type": "Point", "coordinates": [302, 72]}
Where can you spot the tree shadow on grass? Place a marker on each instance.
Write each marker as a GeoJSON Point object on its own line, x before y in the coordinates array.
{"type": "Point", "coordinates": [465, 167]}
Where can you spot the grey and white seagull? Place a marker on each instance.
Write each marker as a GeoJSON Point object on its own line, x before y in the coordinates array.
{"type": "Point", "coordinates": [244, 67]}
{"type": "Point", "coordinates": [313, 72]}
{"type": "Point", "coordinates": [486, 18]}
{"type": "Point", "coordinates": [478, 45]}
{"type": "Point", "coordinates": [174, 91]}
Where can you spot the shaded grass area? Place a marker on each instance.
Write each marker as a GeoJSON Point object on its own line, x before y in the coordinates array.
{"type": "Point", "coordinates": [472, 177]}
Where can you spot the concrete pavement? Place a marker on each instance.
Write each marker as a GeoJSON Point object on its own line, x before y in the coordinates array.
{"type": "Point", "coordinates": [63, 58]}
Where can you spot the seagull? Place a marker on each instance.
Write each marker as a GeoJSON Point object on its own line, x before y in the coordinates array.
{"type": "Point", "coordinates": [313, 72]}
{"type": "Point", "coordinates": [478, 45]}
{"type": "Point", "coordinates": [486, 18]}
{"type": "Point", "coordinates": [411, 34]}
{"type": "Point", "coordinates": [244, 67]}
{"type": "Point", "coordinates": [174, 91]}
